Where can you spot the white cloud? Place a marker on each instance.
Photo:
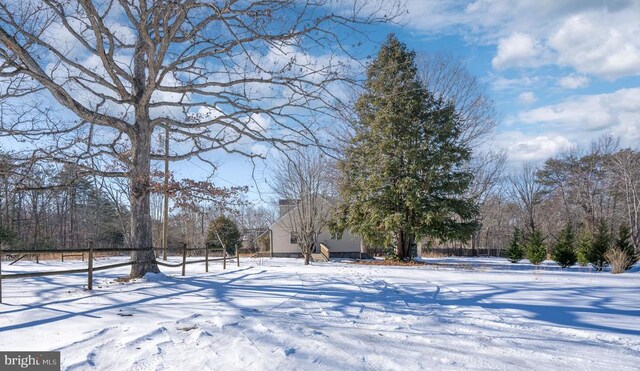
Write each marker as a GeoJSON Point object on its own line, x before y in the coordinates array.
{"type": "Point", "coordinates": [531, 147]}
{"type": "Point", "coordinates": [594, 44]}
{"type": "Point", "coordinates": [591, 36]}
{"type": "Point", "coordinates": [260, 149]}
{"type": "Point", "coordinates": [616, 113]}
{"type": "Point", "coordinates": [573, 82]}
{"type": "Point", "coordinates": [538, 148]}
{"type": "Point", "coordinates": [517, 50]}
{"type": "Point", "coordinates": [527, 97]}
{"type": "Point", "coordinates": [259, 122]}
{"type": "Point", "coordinates": [501, 83]}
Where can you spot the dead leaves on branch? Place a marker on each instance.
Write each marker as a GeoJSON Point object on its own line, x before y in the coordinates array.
{"type": "Point", "coordinates": [193, 195]}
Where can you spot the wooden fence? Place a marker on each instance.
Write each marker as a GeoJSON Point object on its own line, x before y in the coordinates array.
{"type": "Point", "coordinates": [90, 268]}
{"type": "Point", "coordinates": [461, 251]}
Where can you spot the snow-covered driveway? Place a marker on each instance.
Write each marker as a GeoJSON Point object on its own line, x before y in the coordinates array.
{"type": "Point", "coordinates": [277, 314]}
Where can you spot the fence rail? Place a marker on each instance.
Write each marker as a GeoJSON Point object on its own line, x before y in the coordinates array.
{"type": "Point", "coordinates": [467, 252]}
{"type": "Point", "coordinates": [90, 268]}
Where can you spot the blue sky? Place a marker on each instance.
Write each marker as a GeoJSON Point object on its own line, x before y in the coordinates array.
{"type": "Point", "coordinates": [561, 73]}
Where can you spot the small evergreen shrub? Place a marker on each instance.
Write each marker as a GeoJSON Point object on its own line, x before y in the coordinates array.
{"type": "Point", "coordinates": [584, 246]}
{"type": "Point", "coordinates": [390, 254]}
{"type": "Point", "coordinates": [623, 243]}
{"type": "Point", "coordinates": [223, 231]}
{"type": "Point", "coordinates": [600, 245]}
{"type": "Point", "coordinates": [564, 252]}
{"type": "Point", "coordinates": [536, 249]}
{"type": "Point", "coordinates": [515, 252]}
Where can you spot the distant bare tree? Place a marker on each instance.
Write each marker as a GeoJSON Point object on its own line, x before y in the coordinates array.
{"type": "Point", "coordinates": [488, 172]}
{"type": "Point", "coordinates": [527, 192]}
{"type": "Point", "coordinates": [626, 167]}
{"type": "Point", "coordinates": [304, 179]}
{"type": "Point", "coordinates": [215, 75]}
{"type": "Point", "coordinates": [254, 221]}
{"type": "Point", "coordinates": [447, 78]}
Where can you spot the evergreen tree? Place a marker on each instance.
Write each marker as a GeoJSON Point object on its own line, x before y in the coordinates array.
{"type": "Point", "coordinates": [515, 252]}
{"type": "Point", "coordinates": [564, 252]}
{"type": "Point", "coordinates": [623, 243]}
{"type": "Point", "coordinates": [223, 232]}
{"type": "Point", "coordinates": [536, 249]}
{"type": "Point", "coordinates": [404, 173]}
{"type": "Point", "coordinates": [584, 246]}
{"type": "Point", "coordinates": [600, 245]}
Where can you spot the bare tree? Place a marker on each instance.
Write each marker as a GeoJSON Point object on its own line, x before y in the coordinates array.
{"type": "Point", "coordinates": [214, 75]}
{"type": "Point", "coordinates": [626, 167]}
{"type": "Point", "coordinates": [303, 178]}
{"type": "Point", "coordinates": [447, 78]}
{"type": "Point", "coordinates": [254, 221]}
{"type": "Point", "coordinates": [487, 169]}
{"type": "Point", "coordinates": [527, 192]}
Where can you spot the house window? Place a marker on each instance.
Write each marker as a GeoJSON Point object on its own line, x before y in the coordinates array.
{"type": "Point", "coordinates": [293, 238]}
{"type": "Point", "coordinates": [336, 236]}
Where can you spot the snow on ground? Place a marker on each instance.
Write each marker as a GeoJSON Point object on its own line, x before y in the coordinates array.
{"type": "Point", "coordinates": [278, 314]}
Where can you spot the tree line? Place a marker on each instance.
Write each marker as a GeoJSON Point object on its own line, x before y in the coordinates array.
{"type": "Point", "coordinates": [581, 206]}
{"type": "Point", "coordinates": [44, 206]}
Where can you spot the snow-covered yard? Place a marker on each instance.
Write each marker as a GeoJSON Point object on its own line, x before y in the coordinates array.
{"type": "Point", "coordinates": [277, 314]}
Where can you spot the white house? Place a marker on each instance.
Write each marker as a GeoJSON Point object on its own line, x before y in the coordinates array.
{"type": "Point", "coordinates": [284, 244]}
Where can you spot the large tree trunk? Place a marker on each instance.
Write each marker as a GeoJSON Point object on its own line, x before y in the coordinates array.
{"type": "Point", "coordinates": [140, 178]}
{"type": "Point", "coordinates": [404, 244]}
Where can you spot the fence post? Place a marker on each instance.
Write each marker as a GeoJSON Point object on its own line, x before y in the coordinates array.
{"type": "Point", "coordinates": [184, 257]}
{"type": "Point", "coordinates": [237, 256]}
{"type": "Point", "coordinates": [224, 257]}
{"type": "Point", "coordinates": [62, 257]}
{"type": "Point", "coordinates": [206, 258]}
{"type": "Point", "coordinates": [90, 272]}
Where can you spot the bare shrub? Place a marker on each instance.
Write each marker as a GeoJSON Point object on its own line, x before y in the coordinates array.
{"type": "Point", "coordinates": [618, 259]}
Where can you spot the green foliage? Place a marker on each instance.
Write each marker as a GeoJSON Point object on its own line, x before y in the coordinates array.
{"type": "Point", "coordinates": [584, 246]}
{"type": "Point", "coordinates": [564, 252]}
{"type": "Point", "coordinates": [623, 243]}
{"type": "Point", "coordinates": [223, 229]}
{"type": "Point", "coordinates": [515, 252]}
{"type": "Point", "coordinates": [600, 245]}
{"type": "Point", "coordinates": [390, 254]}
{"type": "Point", "coordinates": [404, 174]}
{"type": "Point", "coordinates": [536, 249]}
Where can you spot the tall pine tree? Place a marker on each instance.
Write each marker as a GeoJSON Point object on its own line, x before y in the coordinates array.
{"type": "Point", "coordinates": [404, 172]}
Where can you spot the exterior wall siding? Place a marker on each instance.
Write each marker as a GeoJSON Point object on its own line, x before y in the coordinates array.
{"type": "Point", "coordinates": [281, 242]}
